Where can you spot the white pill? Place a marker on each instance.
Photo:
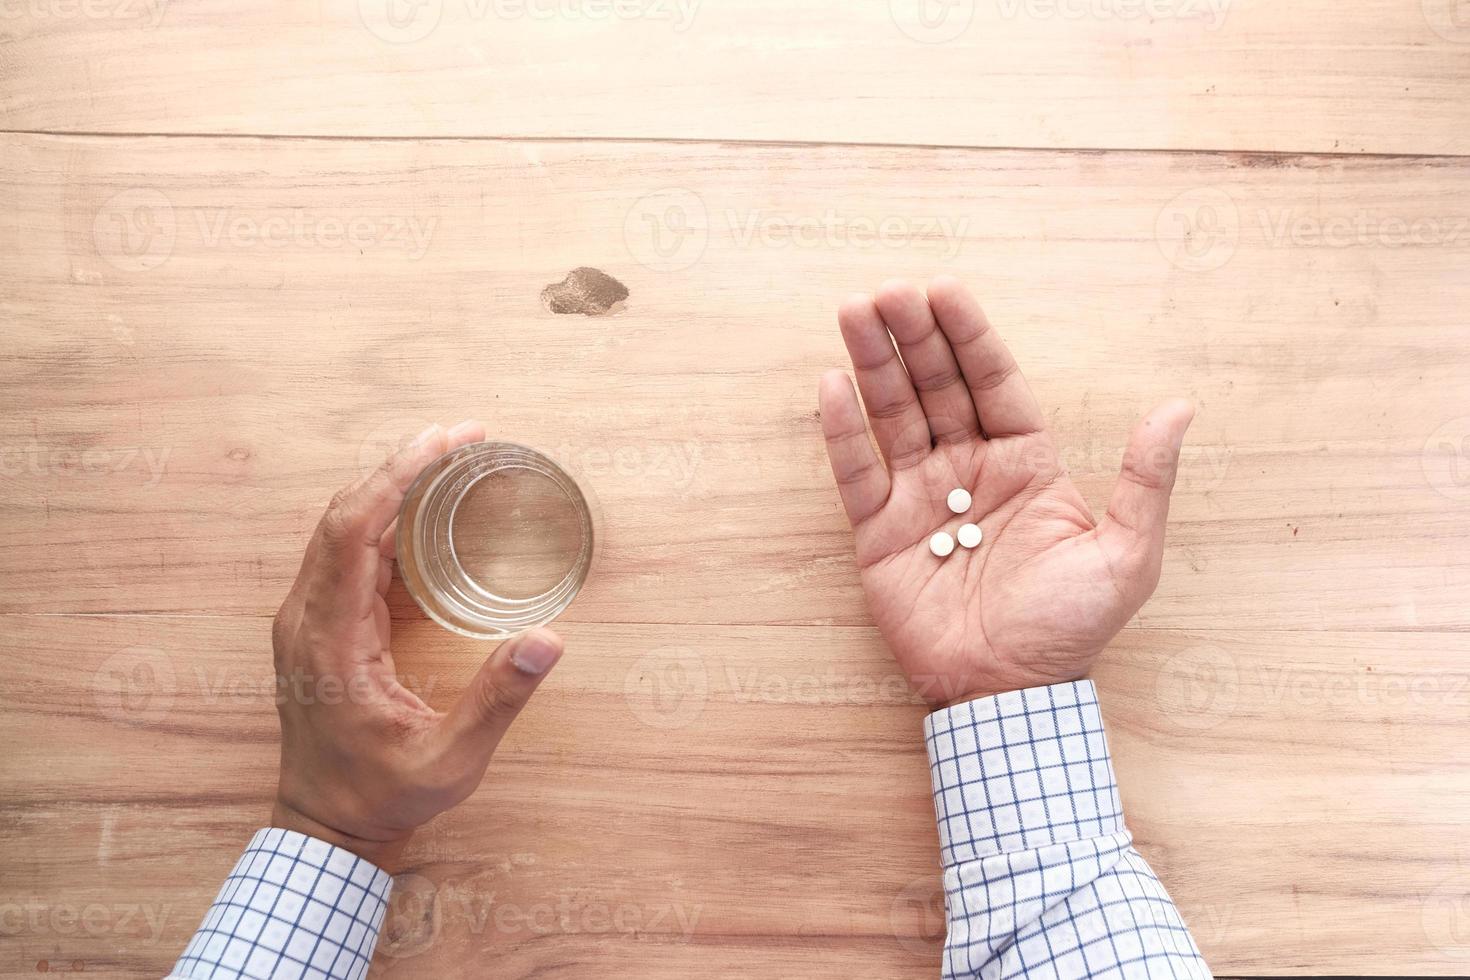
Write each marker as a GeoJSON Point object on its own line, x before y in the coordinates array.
{"type": "Point", "coordinates": [959, 500]}
{"type": "Point", "coordinates": [941, 544]}
{"type": "Point", "coordinates": [970, 535]}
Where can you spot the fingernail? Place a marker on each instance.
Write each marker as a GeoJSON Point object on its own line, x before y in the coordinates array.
{"type": "Point", "coordinates": [535, 653]}
{"type": "Point", "coordinates": [461, 429]}
{"type": "Point", "coordinates": [424, 436]}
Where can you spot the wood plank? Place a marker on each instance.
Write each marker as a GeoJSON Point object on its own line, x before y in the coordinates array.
{"type": "Point", "coordinates": [198, 357]}
{"type": "Point", "coordinates": [1274, 779]}
{"type": "Point", "coordinates": [1377, 76]}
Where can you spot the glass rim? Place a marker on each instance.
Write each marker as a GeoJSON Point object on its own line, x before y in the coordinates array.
{"type": "Point", "coordinates": [430, 567]}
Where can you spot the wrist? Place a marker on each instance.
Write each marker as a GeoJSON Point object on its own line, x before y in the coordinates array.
{"type": "Point", "coordinates": [996, 690]}
{"type": "Point", "coordinates": [385, 854]}
{"type": "Point", "coordinates": [961, 699]}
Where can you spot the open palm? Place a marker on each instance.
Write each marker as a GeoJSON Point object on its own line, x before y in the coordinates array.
{"type": "Point", "coordinates": [1049, 586]}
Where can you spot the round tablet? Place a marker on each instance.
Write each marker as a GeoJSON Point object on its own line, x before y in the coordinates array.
{"type": "Point", "coordinates": [941, 544]}
{"type": "Point", "coordinates": [970, 535]}
{"type": "Point", "coordinates": [959, 500]}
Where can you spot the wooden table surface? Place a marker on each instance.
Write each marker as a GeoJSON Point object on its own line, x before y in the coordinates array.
{"type": "Point", "coordinates": [245, 248]}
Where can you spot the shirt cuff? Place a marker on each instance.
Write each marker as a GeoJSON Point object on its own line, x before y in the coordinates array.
{"type": "Point", "coordinates": [294, 906]}
{"type": "Point", "coordinates": [1021, 770]}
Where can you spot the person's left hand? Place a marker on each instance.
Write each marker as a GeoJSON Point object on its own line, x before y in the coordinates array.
{"type": "Point", "coordinates": [363, 759]}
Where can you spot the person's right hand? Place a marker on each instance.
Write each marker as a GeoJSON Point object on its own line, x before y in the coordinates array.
{"type": "Point", "coordinates": [1049, 586]}
{"type": "Point", "coordinates": [363, 759]}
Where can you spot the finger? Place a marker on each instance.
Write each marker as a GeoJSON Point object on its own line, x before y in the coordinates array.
{"type": "Point", "coordinates": [893, 407]}
{"type": "Point", "coordinates": [1002, 397]}
{"type": "Point", "coordinates": [460, 435]}
{"type": "Point", "coordinates": [931, 364]}
{"type": "Point", "coordinates": [387, 554]}
{"type": "Point", "coordinates": [388, 545]}
{"type": "Point", "coordinates": [1139, 508]}
{"type": "Point", "coordinates": [346, 549]}
{"type": "Point", "coordinates": [499, 691]}
{"type": "Point", "coordinates": [862, 482]}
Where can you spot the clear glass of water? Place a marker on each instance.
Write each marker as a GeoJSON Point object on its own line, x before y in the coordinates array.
{"type": "Point", "coordinates": [494, 539]}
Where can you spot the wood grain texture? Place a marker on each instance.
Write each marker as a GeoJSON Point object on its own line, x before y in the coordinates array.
{"type": "Point", "coordinates": [206, 335]}
{"type": "Point", "coordinates": [1383, 76]}
{"type": "Point", "coordinates": [182, 412]}
{"type": "Point", "coordinates": [620, 833]}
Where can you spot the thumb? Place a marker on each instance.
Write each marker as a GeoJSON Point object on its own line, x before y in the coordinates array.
{"type": "Point", "coordinates": [1140, 505]}
{"type": "Point", "coordinates": [501, 688]}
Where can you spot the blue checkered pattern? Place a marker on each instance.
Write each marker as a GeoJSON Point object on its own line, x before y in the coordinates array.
{"type": "Point", "coordinates": [1040, 875]}
{"type": "Point", "coordinates": [294, 908]}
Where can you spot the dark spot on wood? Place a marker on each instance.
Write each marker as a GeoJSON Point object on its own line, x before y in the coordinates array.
{"type": "Point", "coordinates": [585, 290]}
{"type": "Point", "coordinates": [239, 455]}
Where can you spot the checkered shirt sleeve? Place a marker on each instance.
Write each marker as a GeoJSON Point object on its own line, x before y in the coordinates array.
{"type": "Point", "coordinates": [1040, 875]}
{"type": "Point", "coordinates": [294, 908]}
